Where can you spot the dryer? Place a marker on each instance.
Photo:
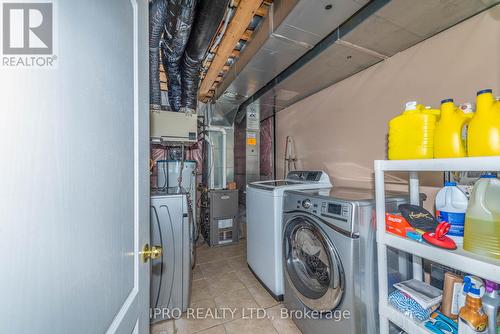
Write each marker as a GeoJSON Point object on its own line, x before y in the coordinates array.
{"type": "Point", "coordinates": [172, 228]}
{"type": "Point", "coordinates": [330, 259]}
{"type": "Point", "coordinates": [264, 206]}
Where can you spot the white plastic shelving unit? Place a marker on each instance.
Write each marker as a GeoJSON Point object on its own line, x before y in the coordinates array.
{"type": "Point", "coordinates": [465, 261]}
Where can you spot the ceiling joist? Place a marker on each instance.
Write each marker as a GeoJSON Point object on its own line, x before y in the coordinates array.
{"type": "Point", "coordinates": [242, 17]}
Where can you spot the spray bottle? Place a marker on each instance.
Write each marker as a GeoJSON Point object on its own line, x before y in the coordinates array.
{"type": "Point", "coordinates": [491, 305]}
{"type": "Point", "coordinates": [472, 318]}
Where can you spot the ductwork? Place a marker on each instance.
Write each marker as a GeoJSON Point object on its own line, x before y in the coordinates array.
{"type": "Point", "coordinates": [208, 18]}
{"type": "Point", "coordinates": [291, 29]}
{"type": "Point", "coordinates": [157, 15]}
{"type": "Point", "coordinates": [378, 31]}
{"type": "Point", "coordinates": [178, 25]}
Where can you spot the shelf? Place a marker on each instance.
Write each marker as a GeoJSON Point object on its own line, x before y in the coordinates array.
{"type": "Point", "coordinates": [402, 321]}
{"type": "Point", "coordinates": [426, 165]}
{"type": "Point", "coordinates": [484, 267]}
{"type": "Point", "coordinates": [460, 259]}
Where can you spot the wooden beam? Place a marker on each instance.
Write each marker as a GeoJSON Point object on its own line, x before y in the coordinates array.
{"type": "Point", "coordinates": [262, 10]}
{"type": "Point", "coordinates": [163, 77]}
{"type": "Point", "coordinates": [241, 19]}
{"type": "Point", "coordinates": [246, 35]}
{"type": "Point", "coordinates": [235, 53]}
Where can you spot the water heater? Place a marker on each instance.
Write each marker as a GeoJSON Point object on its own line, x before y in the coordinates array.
{"type": "Point", "coordinates": [168, 177]}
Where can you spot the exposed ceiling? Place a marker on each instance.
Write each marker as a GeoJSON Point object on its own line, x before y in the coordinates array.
{"type": "Point", "coordinates": [243, 18]}
{"type": "Point", "coordinates": [329, 45]}
{"type": "Point", "coordinates": [291, 29]}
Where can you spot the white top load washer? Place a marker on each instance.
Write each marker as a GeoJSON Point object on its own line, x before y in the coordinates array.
{"type": "Point", "coordinates": [264, 207]}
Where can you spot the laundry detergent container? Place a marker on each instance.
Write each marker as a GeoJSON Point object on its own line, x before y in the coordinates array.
{"type": "Point", "coordinates": [411, 134]}
{"type": "Point", "coordinates": [448, 141]}
{"type": "Point", "coordinates": [483, 137]}
{"type": "Point", "coordinates": [482, 219]}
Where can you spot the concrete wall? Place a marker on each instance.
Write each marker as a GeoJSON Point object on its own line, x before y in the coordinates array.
{"type": "Point", "coordinates": [343, 128]}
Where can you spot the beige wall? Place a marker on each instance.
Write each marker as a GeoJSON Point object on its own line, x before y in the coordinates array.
{"type": "Point", "coordinates": [343, 128]}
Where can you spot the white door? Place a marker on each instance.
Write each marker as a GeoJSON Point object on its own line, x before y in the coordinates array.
{"type": "Point", "coordinates": [74, 187]}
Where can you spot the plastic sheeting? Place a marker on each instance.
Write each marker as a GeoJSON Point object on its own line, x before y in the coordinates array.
{"type": "Point", "coordinates": [266, 149]}
{"type": "Point", "coordinates": [240, 158]}
{"type": "Point", "coordinates": [159, 152]}
{"type": "Point", "coordinates": [157, 16]}
{"type": "Point", "coordinates": [177, 30]}
{"type": "Point", "coordinates": [209, 14]}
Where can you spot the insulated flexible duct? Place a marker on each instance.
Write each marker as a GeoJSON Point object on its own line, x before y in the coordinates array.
{"type": "Point", "coordinates": [177, 29]}
{"type": "Point", "coordinates": [208, 18]}
{"type": "Point", "coordinates": [157, 16]}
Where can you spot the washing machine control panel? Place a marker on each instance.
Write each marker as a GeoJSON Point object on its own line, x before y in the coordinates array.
{"type": "Point", "coordinates": [326, 209]}
{"type": "Point", "coordinates": [306, 204]}
{"type": "Point", "coordinates": [335, 210]}
{"type": "Point", "coordinates": [309, 205]}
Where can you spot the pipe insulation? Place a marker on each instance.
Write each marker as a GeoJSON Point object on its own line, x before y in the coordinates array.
{"type": "Point", "coordinates": [178, 25]}
{"type": "Point", "coordinates": [208, 18]}
{"type": "Point", "coordinates": [157, 16]}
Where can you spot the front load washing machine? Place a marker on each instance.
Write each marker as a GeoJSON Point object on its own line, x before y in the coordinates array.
{"type": "Point", "coordinates": [171, 228]}
{"type": "Point", "coordinates": [264, 206]}
{"type": "Point", "coordinates": [330, 259]}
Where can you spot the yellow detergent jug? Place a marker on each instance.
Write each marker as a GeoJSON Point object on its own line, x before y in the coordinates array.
{"type": "Point", "coordinates": [482, 219]}
{"type": "Point", "coordinates": [448, 142]}
{"type": "Point", "coordinates": [483, 137]}
{"type": "Point", "coordinates": [411, 134]}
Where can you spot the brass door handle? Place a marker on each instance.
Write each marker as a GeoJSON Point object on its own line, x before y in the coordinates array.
{"type": "Point", "coordinates": [151, 252]}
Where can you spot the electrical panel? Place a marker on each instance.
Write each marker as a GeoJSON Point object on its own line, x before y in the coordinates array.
{"type": "Point", "coordinates": [176, 128]}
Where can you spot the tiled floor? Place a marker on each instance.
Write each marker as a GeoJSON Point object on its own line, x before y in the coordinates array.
{"type": "Point", "coordinates": [222, 281]}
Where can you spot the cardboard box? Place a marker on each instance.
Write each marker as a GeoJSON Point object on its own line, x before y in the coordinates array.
{"type": "Point", "coordinates": [397, 224]}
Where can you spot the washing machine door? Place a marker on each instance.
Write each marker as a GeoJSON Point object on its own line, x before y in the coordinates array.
{"type": "Point", "coordinates": [312, 265]}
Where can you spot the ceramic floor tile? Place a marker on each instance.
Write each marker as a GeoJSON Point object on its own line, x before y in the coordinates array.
{"type": "Point", "coordinates": [262, 297]}
{"type": "Point", "coordinates": [202, 315]}
{"type": "Point", "coordinates": [247, 277]}
{"type": "Point", "coordinates": [237, 263]}
{"type": "Point", "coordinates": [220, 284]}
{"type": "Point", "coordinates": [214, 330]}
{"type": "Point", "coordinates": [225, 296]}
{"type": "Point", "coordinates": [250, 326]}
{"type": "Point", "coordinates": [205, 254]}
{"type": "Point", "coordinates": [215, 268]}
{"type": "Point", "coordinates": [200, 291]}
{"type": "Point", "coordinates": [281, 323]}
{"type": "Point", "coordinates": [164, 327]}
{"type": "Point", "coordinates": [240, 302]}
{"type": "Point", "coordinates": [197, 274]}
{"type": "Point", "coordinates": [234, 250]}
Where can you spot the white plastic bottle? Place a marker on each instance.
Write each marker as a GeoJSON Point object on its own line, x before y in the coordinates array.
{"type": "Point", "coordinates": [451, 205]}
{"type": "Point", "coordinates": [491, 305]}
{"type": "Point", "coordinates": [482, 221]}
